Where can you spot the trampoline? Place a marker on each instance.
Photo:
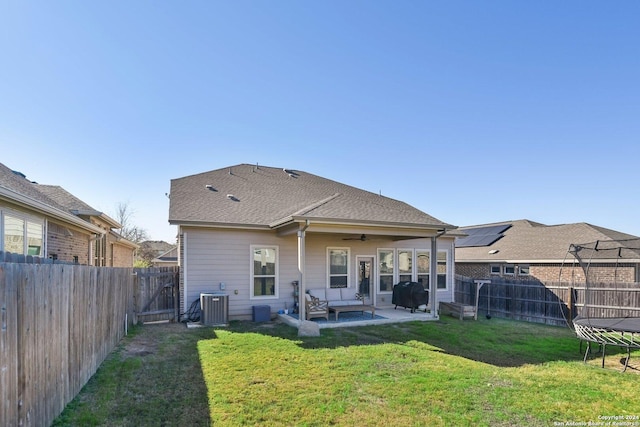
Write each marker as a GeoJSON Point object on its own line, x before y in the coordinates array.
{"type": "Point", "coordinates": [609, 312]}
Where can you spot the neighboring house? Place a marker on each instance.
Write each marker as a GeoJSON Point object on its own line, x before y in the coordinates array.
{"type": "Point", "coordinates": [255, 232]}
{"type": "Point", "coordinates": [47, 221]}
{"type": "Point", "coordinates": [167, 259]}
{"type": "Point", "coordinates": [526, 250]}
{"type": "Point", "coordinates": [157, 252]}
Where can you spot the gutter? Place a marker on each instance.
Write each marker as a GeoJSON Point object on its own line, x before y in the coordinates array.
{"type": "Point", "coordinates": [112, 222]}
{"type": "Point", "coordinates": [440, 228]}
{"type": "Point", "coordinates": [25, 201]}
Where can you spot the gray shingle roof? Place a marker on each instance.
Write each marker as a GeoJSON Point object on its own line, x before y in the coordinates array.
{"type": "Point", "coordinates": [530, 241]}
{"type": "Point", "coordinates": [249, 195]}
{"type": "Point", "coordinates": [64, 198]}
{"type": "Point", "coordinates": [52, 196]}
{"type": "Point", "coordinates": [17, 183]}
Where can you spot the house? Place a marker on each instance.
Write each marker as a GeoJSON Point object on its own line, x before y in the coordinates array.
{"type": "Point", "coordinates": [527, 250]}
{"type": "Point", "coordinates": [167, 259]}
{"type": "Point", "coordinates": [265, 235]}
{"type": "Point", "coordinates": [49, 222]}
{"type": "Point", "coordinates": [157, 253]}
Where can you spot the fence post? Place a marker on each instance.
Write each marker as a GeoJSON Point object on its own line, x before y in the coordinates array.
{"type": "Point", "coordinates": [570, 302]}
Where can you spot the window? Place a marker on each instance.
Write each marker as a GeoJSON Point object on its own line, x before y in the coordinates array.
{"type": "Point", "coordinates": [495, 269]}
{"type": "Point", "coordinates": [264, 271]}
{"type": "Point", "coordinates": [13, 235]}
{"type": "Point", "coordinates": [34, 238]}
{"type": "Point", "coordinates": [523, 270]}
{"type": "Point", "coordinates": [338, 267]}
{"type": "Point", "coordinates": [424, 264]}
{"type": "Point", "coordinates": [386, 270]}
{"type": "Point", "coordinates": [442, 270]}
{"type": "Point", "coordinates": [423, 268]}
{"type": "Point", "coordinates": [22, 235]}
{"type": "Point", "coordinates": [405, 265]}
{"type": "Point", "coordinates": [509, 270]}
{"type": "Point", "coordinates": [100, 251]}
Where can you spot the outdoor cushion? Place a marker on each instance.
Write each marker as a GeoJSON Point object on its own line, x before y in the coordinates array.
{"type": "Point", "coordinates": [348, 294]}
{"type": "Point", "coordinates": [318, 293]}
{"type": "Point", "coordinates": [333, 294]}
{"type": "Point", "coordinates": [336, 297]}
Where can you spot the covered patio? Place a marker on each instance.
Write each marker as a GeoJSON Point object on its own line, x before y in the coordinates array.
{"type": "Point", "coordinates": [382, 316]}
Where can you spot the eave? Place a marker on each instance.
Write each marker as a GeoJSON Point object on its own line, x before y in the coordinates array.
{"type": "Point", "coordinates": [27, 202]}
{"type": "Point", "coordinates": [101, 215]}
{"type": "Point", "coordinates": [205, 224]}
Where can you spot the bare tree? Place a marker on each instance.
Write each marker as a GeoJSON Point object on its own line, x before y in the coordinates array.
{"type": "Point", "coordinates": [130, 231]}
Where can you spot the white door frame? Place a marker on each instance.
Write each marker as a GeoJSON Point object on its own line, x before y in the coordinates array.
{"type": "Point", "coordinates": [372, 277]}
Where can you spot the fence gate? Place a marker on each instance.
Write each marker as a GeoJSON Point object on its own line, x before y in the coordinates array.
{"type": "Point", "coordinates": [156, 294]}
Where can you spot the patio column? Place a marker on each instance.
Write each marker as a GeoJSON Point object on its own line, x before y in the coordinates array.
{"type": "Point", "coordinates": [302, 287]}
{"type": "Point", "coordinates": [433, 276]}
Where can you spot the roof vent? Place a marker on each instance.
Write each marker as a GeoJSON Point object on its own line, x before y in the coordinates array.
{"type": "Point", "coordinates": [210, 187]}
{"type": "Point", "coordinates": [493, 251]}
{"type": "Point", "coordinates": [232, 197]}
{"type": "Point", "coordinates": [291, 173]}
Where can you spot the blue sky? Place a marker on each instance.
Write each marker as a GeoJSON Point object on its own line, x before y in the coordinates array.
{"type": "Point", "coordinates": [472, 111]}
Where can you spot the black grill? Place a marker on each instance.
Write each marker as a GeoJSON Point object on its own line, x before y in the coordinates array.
{"type": "Point", "coordinates": [410, 295]}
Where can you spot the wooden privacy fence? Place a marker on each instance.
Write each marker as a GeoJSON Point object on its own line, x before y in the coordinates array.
{"type": "Point", "coordinates": [552, 303]}
{"type": "Point", "coordinates": [58, 323]}
{"type": "Point", "coordinates": [156, 294]}
{"type": "Point", "coordinates": [605, 300]}
{"type": "Point", "coordinates": [527, 301]}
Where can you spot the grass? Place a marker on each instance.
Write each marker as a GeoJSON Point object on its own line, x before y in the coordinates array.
{"type": "Point", "coordinates": [484, 373]}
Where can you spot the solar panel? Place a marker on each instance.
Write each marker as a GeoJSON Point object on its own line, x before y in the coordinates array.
{"type": "Point", "coordinates": [482, 236]}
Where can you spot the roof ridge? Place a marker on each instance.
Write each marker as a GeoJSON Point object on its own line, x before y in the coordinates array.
{"type": "Point", "coordinates": [305, 209]}
{"type": "Point", "coordinates": [316, 205]}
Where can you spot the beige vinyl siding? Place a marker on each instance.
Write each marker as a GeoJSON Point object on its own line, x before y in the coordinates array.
{"type": "Point", "coordinates": [222, 256]}
{"type": "Point", "coordinates": [215, 256]}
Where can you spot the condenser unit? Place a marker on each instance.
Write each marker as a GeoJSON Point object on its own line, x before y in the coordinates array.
{"type": "Point", "coordinates": [214, 309]}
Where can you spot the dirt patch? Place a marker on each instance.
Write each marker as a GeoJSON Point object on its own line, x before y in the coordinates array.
{"type": "Point", "coordinates": [139, 349]}
{"type": "Point", "coordinates": [146, 343]}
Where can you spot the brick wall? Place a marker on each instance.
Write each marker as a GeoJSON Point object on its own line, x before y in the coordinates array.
{"type": "Point", "coordinates": [477, 271]}
{"type": "Point", "coordinates": [546, 273]}
{"type": "Point", "coordinates": [121, 256]}
{"type": "Point", "coordinates": [65, 245]}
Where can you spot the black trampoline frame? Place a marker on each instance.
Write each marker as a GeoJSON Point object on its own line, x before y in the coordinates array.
{"type": "Point", "coordinates": [617, 331]}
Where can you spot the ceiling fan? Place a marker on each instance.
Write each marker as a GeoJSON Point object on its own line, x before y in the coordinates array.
{"type": "Point", "coordinates": [362, 238]}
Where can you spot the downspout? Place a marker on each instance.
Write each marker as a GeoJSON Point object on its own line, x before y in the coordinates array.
{"type": "Point", "coordinates": [301, 270]}
{"type": "Point", "coordinates": [433, 274]}
{"type": "Point", "coordinates": [182, 256]}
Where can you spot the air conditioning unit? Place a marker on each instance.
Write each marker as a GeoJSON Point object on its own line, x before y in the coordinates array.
{"type": "Point", "coordinates": [214, 309]}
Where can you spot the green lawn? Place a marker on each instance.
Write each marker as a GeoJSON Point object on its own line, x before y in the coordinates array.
{"type": "Point", "coordinates": [486, 372]}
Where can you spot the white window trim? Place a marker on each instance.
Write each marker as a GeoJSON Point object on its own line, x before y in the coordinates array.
{"type": "Point", "coordinates": [504, 270]}
{"type": "Point", "coordinates": [418, 253]}
{"type": "Point", "coordinates": [447, 267]}
{"type": "Point", "coordinates": [413, 273]}
{"type": "Point", "coordinates": [328, 265]}
{"type": "Point", "coordinates": [28, 218]}
{"type": "Point", "coordinates": [520, 273]}
{"type": "Point", "coordinates": [394, 275]}
{"type": "Point", "coordinates": [276, 292]}
{"type": "Point", "coordinates": [492, 266]}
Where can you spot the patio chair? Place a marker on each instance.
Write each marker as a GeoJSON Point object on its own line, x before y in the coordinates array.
{"type": "Point", "coordinates": [315, 307]}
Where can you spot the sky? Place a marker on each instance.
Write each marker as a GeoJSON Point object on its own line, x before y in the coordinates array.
{"type": "Point", "coordinates": [471, 111]}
